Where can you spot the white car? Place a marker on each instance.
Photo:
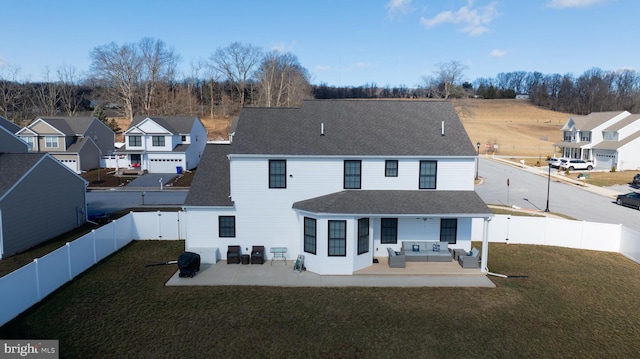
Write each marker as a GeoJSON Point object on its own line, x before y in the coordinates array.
{"type": "Point", "coordinates": [575, 164]}
{"type": "Point", "coordinates": [555, 162]}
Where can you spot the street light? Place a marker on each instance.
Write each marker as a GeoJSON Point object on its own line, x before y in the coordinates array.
{"type": "Point", "coordinates": [477, 158]}
{"type": "Point", "coordinates": [548, 184]}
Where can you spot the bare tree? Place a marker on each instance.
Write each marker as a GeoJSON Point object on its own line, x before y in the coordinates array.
{"type": "Point", "coordinates": [282, 81]}
{"type": "Point", "coordinates": [45, 96]}
{"type": "Point", "coordinates": [449, 75]}
{"type": "Point", "coordinates": [237, 62]}
{"type": "Point", "coordinates": [158, 68]}
{"type": "Point", "coordinates": [12, 94]}
{"type": "Point", "coordinates": [70, 97]}
{"type": "Point", "coordinates": [118, 70]}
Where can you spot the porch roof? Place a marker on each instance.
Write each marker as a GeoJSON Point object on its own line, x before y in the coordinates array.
{"type": "Point", "coordinates": [401, 203]}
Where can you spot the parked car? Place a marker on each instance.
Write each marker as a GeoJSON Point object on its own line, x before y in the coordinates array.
{"type": "Point", "coordinates": [575, 164]}
{"type": "Point", "coordinates": [636, 180]}
{"type": "Point", "coordinates": [631, 199]}
{"type": "Point", "coordinates": [554, 162]}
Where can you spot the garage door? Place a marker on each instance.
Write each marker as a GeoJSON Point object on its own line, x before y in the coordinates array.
{"type": "Point", "coordinates": [159, 165]}
{"type": "Point", "coordinates": [604, 161]}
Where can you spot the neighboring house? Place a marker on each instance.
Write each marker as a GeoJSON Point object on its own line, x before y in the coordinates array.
{"type": "Point", "coordinates": [78, 142]}
{"type": "Point", "coordinates": [338, 181]}
{"type": "Point", "coordinates": [39, 197]}
{"type": "Point", "coordinates": [609, 139]}
{"type": "Point", "coordinates": [10, 143]}
{"type": "Point", "coordinates": [163, 144]}
{"type": "Point", "coordinates": [8, 125]}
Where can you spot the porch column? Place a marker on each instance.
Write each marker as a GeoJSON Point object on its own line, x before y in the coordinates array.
{"type": "Point", "coordinates": [485, 246]}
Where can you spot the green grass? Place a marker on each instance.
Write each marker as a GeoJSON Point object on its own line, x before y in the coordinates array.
{"type": "Point", "coordinates": [575, 303]}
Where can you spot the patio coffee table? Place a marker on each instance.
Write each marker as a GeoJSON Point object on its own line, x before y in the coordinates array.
{"type": "Point", "coordinates": [457, 252]}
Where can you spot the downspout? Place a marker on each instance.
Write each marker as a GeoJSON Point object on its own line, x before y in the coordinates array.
{"type": "Point", "coordinates": [485, 254]}
{"type": "Point", "coordinates": [1, 235]}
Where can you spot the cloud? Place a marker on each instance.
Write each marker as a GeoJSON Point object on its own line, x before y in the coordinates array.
{"type": "Point", "coordinates": [322, 67]}
{"type": "Point", "coordinates": [561, 4]}
{"type": "Point", "coordinates": [398, 8]}
{"type": "Point", "coordinates": [498, 53]}
{"type": "Point", "coordinates": [474, 21]}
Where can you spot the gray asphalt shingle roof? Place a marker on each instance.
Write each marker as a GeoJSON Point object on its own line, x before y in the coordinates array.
{"type": "Point", "coordinates": [174, 124]}
{"type": "Point", "coordinates": [385, 202]}
{"type": "Point", "coordinates": [354, 128]}
{"type": "Point", "coordinates": [70, 126]}
{"type": "Point", "coordinates": [10, 126]}
{"type": "Point", "coordinates": [211, 187]}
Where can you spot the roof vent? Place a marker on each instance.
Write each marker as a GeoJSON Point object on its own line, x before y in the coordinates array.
{"type": "Point", "coordinates": [442, 129]}
{"type": "Point", "coordinates": [322, 129]}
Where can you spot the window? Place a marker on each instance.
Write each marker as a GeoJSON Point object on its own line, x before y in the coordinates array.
{"type": "Point", "coordinates": [157, 141]}
{"type": "Point", "coordinates": [337, 238]}
{"type": "Point", "coordinates": [227, 226]}
{"type": "Point", "coordinates": [448, 230]}
{"type": "Point", "coordinates": [183, 138]}
{"type": "Point", "coordinates": [389, 230]}
{"type": "Point", "coordinates": [277, 174]}
{"type": "Point", "coordinates": [30, 141]}
{"type": "Point", "coordinates": [363, 235]}
{"type": "Point", "coordinates": [428, 171]}
{"type": "Point", "coordinates": [391, 168]}
{"type": "Point", "coordinates": [50, 141]}
{"type": "Point", "coordinates": [310, 235]}
{"type": "Point", "coordinates": [135, 141]}
{"type": "Point", "coordinates": [352, 174]}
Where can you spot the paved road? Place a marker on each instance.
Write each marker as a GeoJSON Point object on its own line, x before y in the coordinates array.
{"type": "Point", "coordinates": [529, 190]}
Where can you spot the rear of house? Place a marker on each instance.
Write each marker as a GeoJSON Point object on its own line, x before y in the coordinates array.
{"type": "Point", "coordinates": [338, 182]}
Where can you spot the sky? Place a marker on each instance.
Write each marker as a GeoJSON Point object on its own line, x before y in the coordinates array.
{"type": "Point", "coordinates": [340, 42]}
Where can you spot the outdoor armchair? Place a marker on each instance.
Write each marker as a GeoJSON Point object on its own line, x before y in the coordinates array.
{"type": "Point", "coordinates": [471, 260]}
{"type": "Point", "coordinates": [257, 255]}
{"type": "Point", "coordinates": [234, 254]}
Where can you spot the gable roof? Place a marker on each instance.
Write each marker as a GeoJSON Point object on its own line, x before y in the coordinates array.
{"type": "Point", "coordinates": [398, 202]}
{"type": "Point", "coordinates": [10, 143]}
{"type": "Point", "coordinates": [174, 124]}
{"type": "Point", "coordinates": [592, 120]}
{"type": "Point", "coordinates": [623, 123]}
{"type": "Point", "coordinates": [354, 128]}
{"type": "Point", "coordinates": [69, 126]}
{"type": "Point", "coordinates": [211, 184]}
{"type": "Point", "coordinates": [8, 125]}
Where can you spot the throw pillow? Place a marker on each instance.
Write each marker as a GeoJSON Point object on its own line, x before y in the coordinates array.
{"type": "Point", "coordinates": [397, 253]}
{"type": "Point", "coordinates": [416, 248]}
{"type": "Point", "coordinates": [436, 248]}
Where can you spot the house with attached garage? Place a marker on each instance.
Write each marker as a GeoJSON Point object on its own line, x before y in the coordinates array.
{"type": "Point", "coordinates": [77, 142]}
{"type": "Point", "coordinates": [40, 198]}
{"type": "Point", "coordinates": [162, 144]}
{"type": "Point", "coordinates": [338, 181]}
{"type": "Point", "coordinates": [608, 139]}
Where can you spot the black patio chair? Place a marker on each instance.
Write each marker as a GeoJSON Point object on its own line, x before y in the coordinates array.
{"type": "Point", "coordinates": [257, 255]}
{"type": "Point", "coordinates": [234, 254]}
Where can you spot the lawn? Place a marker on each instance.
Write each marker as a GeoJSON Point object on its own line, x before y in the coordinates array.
{"type": "Point", "coordinates": [105, 178]}
{"type": "Point", "coordinates": [574, 303]}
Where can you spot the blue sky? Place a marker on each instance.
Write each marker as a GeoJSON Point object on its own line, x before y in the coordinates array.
{"type": "Point", "coordinates": [340, 42]}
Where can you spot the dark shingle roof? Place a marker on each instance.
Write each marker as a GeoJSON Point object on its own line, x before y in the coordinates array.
{"type": "Point", "coordinates": [10, 126]}
{"type": "Point", "coordinates": [354, 127]}
{"type": "Point", "coordinates": [20, 164]}
{"type": "Point", "coordinates": [210, 187]}
{"type": "Point", "coordinates": [70, 126]}
{"type": "Point", "coordinates": [174, 124]}
{"type": "Point", "coordinates": [383, 202]}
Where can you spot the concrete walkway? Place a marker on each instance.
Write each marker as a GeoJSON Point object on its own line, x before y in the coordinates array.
{"type": "Point", "coordinates": [280, 274]}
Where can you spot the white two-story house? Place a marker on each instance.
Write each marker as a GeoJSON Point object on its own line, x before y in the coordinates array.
{"type": "Point", "coordinates": [163, 144]}
{"type": "Point", "coordinates": [337, 181]}
{"type": "Point", "coordinates": [609, 139]}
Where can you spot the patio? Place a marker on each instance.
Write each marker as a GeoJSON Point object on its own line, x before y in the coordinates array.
{"type": "Point", "coordinates": [279, 274]}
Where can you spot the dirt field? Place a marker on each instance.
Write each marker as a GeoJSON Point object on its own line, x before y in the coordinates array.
{"type": "Point", "coordinates": [516, 126]}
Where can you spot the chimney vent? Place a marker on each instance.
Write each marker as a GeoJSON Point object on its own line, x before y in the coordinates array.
{"type": "Point", "coordinates": [322, 129]}
{"type": "Point", "coordinates": [442, 130]}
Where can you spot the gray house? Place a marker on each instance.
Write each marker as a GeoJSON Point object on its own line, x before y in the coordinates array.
{"type": "Point", "coordinates": [39, 197]}
{"type": "Point", "coordinates": [77, 142]}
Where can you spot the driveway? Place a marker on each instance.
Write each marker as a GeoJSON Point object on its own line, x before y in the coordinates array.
{"type": "Point", "coordinates": [151, 180]}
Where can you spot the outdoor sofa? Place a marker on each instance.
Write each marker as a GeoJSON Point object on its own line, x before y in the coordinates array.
{"type": "Point", "coordinates": [396, 259]}
{"type": "Point", "coordinates": [426, 251]}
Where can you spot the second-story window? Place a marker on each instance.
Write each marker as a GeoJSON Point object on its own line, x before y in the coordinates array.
{"type": "Point", "coordinates": [135, 141]}
{"type": "Point", "coordinates": [157, 141]}
{"type": "Point", "coordinates": [428, 174]}
{"type": "Point", "coordinates": [50, 141]}
{"type": "Point", "coordinates": [585, 136]}
{"type": "Point", "coordinates": [352, 174]}
{"type": "Point", "coordinates": [277, 174]}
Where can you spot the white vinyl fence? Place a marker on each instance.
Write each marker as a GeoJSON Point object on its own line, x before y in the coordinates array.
{"type": "Point", "coordinates": [30, 284]}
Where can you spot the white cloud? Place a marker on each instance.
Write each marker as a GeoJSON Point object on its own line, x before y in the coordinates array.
{"type": "Point", "coordinates": [278, 47]}
{"type": "Point", "coordinates": [322, 67]}
{"type": "Point", "coordinates": [560, 4]}
{"type": "Point", "coordinates": [498, 53]}
{"type": "Point", "coordinates": [398, 8]}
{"type": "Point", "coordinates": [474, 21]}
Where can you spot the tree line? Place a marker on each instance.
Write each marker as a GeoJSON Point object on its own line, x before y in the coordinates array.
{"type": "Point", "coordinates": [142, 79]}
